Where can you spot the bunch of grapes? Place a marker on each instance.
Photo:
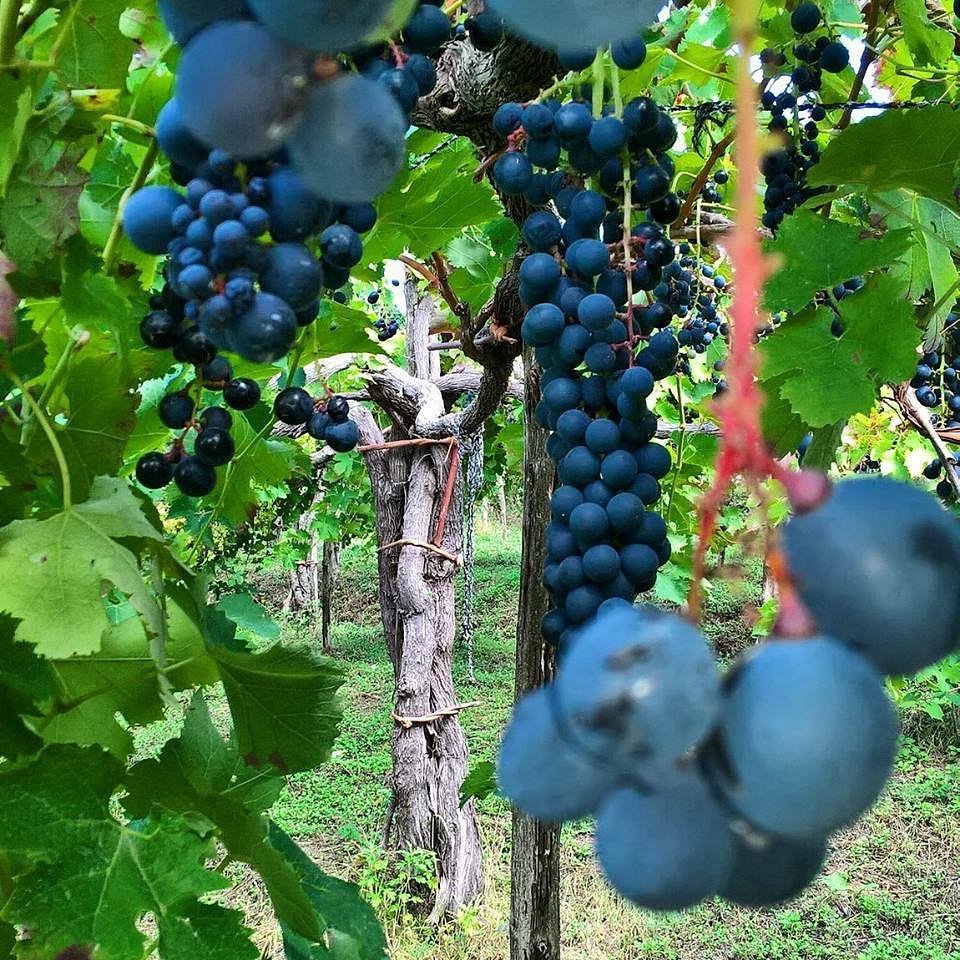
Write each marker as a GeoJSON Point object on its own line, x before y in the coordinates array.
{"type": "Point", "coordinates": [706, 785]}
{"type": "Point", "coordinates": [388, 317]}
{"type": "Point", "coordinates": [785, 170]}
{"type": "Point", "coordinates": [279, 150]}
{"type": "Point", "coordinates": [601, 353]}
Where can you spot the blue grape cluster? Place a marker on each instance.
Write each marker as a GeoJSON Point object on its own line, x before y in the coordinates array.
{"type": "Point", "coordinates": [785, 170]}
{"type": "Point", "coordinates": [730, 786]}
{"type": "Point", "coordinates": [388, 318]}
{"type": "Point", "coordinates": [278, 150]}
{"type": "Point", "coordinates": [602, 352]}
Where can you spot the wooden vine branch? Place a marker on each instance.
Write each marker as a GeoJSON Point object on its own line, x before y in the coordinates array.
{"type": "Point", "coordinates": [408, 722]}
{"type": "Point", "coordinates": [414, 442]}
{"type": "Point", "coordinates": [442, 270]}
{"type": "Point", "coordinates": [439, 280]}
{"type": "Point", "coordinates": [867, 57]}
{"type": "Point", "coordinates": [421, 269]}
{"type": "Point", "coordinates": [453, 468]}
{"type": "Point", "coordinates": [719, 149]}
{"type": "Point", "coordinates": [430, 547]}
{"type": "Point", "coordinates": [917, 415]}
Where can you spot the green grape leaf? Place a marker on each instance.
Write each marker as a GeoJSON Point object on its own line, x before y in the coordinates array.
{"type": "Point", "coordinates": [881, 153]}
{"type": "Point", "coordinates": [284, 705]}
{"type": "Point", "coordinates": [340, 329]}
{"type": "Point", "coordinates": [431, 206]}
{"type": "Point", "coordinates": [16, 105]}
{"type": "Point", "coordinates": [251, 617]}
{"type": "Point", "coordinates": [261, 462]}
{"type": "Point", "coordinates": [830, 378]}
{"type": "Point", "coordinates": [25, 681]}
{"type": "Point", "coordinates": [112, 173]}
{"type": "Point", "coordinates": [817, 253]}
{"type": "Point", "coordinates": [478, 269]}
{"type": "Point", "coordinates": [782, 428]}
{"type": "Point", "coordinates": [354, 933]}
{"type": "Point", "coordinates": [90, 50]}
{"type": "Point", "coordinates": [83, 878]}
{"type": "Point", "coordinates": [201, 773]}
{"type": "Point", "coordinates": [69, 561]}
{"type": "Point", "coordinates": [209, 931]}
{"type": "Point", "coordinates": [823, 448]}
{"type": "Point", "coordinates": [99, 422]}
{"type": "Point", "coordinates": [122, 678]}
{"type": "Point", "coordinates": [39, 213]}
{"type": "Point", "coordinates": [929, 44]}
{"type": "Point", "coordinates": [479, 783]}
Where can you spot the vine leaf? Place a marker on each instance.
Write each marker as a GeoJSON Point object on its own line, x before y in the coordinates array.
{"type": "Point", "coordinates": [25, 680]}
{"type": "Point", "coordinates": [121, 678]}
{"type": "Point", "coordinates": [431, 207]}
{"type": "Point", "coordinates": [817, 253]}
{"type": "Point", "coordinates": [284, 705]}
{"type": "Point", "coordinates": [830, 378]}
{"type": "Point", "coordinates": [881, 153]}
{"type": "Point", "coordinates": [99, 423]}
{"type": "Point", "coordinates": [84, 879]}
{"type": "Point", "coordinates": [356, 933]}
{"type": "Point", "coordinates": [39, 212]}
{"type": "Point", "coordinates": [57, 571]}
{"type": "Point", "coordinates": [91, 50]}
{"type": "Point", "coordinates": [927, 43]}
{"type": "Point", "coordinates": [480, 782]}
{"type": "Point", "coordinates": [201, 773]}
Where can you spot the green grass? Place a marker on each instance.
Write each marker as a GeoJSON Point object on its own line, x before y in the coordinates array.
{"type": "Point", "coordinates": [890, 889]}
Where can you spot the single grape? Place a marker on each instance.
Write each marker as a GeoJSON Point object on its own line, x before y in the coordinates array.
{"type": "Point", "coordinates": [575, 24]}
{"type": "Point", "coordinates": [147, 218]}
{"type": "Point", "coordinates": [806, 739]}
{"type": "Point", "coordinates": [266, 331]}
{"type": "Point", "coordinates": [159, 330]}
{"type": "Point", "coordinates": [667, 849]}
{"type": "Point", "coordinates": [541, 772]}
{"type": "Point", "coordinates": [328, 26]}
{"type": "Point", "coordinates": [891, 550]}
{"type": "Point", "coordinates": [342, 437]}
{"type": "Point", "coordinates": [154, 471]}
{"type": "Point", "coordinates": [241, 88]}
{"type": "Point", "coordinates": [176, 410]}
{"type": "Point", "coordinates": [768, 871]}
{"type": "Point", "coordinates": [194, 478]}
{"type": "Point", "coordinates": [291, 272]}
{"type": "Point", "coordinates": [217, 417]}
{"type": "Point", "coordinates": [294, 210]}
{"type": "Point", "coordinates": [175, 139]}
{"type": "Point", "coordinates": [293, 406]}
{"type": "Point", "coordinates": [641, 688]}
{"type": "Point", "coordinates": [242, 393]}
{"type": "Point", "coordinates": [317, 426]}
{"type": "Point", "coordinates": [214, 447]}
{"type": "Point", "coordinates": [350, 144]}
{"type": "Point", "coordinates": [805, 17]}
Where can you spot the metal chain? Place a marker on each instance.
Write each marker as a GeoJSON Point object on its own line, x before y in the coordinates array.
{"type": "Point", "coordinates": [471, 449]}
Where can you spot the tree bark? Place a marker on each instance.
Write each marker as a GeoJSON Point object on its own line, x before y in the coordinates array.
{"type": "Point", "coordinates": [330, 567]}
{"type": "Point", "coordinates": [417, 607]}
{"type": "Point", "coordinates": [535, 851]}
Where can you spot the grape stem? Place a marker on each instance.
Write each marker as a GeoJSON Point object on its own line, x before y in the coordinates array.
{"type": "Point", "coordinates": [111, 250]}
{"type": "Point", "coordinates": [742, 448]}
{"type": "Point", "coordinates": [51, 435]}
{"type": "Point", "coordinates": [9, 10]}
